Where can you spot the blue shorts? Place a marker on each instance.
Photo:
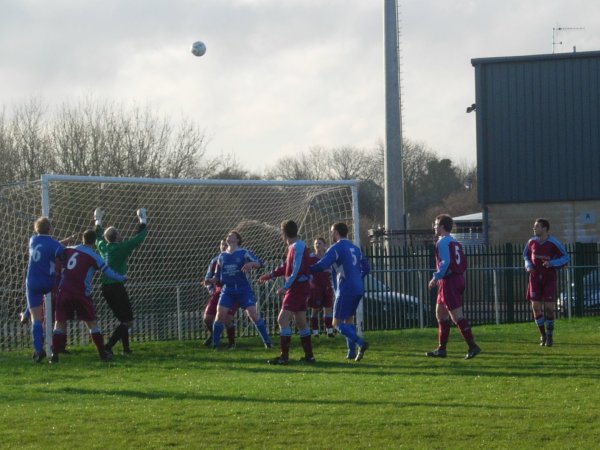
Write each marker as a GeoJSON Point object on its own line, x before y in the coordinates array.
{"type": "Point", "coordinates": [345, 306]}
{"type": "Point", "coordinates": [36, 290]}
{"type": "Point", "coordinates": [243, 296]}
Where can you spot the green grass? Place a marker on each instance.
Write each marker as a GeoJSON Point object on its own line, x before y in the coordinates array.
{"type": "Point", "coordinates": [181, 395]}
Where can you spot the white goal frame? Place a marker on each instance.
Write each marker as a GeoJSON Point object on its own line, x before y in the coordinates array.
{"type": "Point", "coordinates": [47, 208]}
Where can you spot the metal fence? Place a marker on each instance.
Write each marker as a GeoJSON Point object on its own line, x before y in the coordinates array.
{"type": "Point", "coordinates": [397, 296]}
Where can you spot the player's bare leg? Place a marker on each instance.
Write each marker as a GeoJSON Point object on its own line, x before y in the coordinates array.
{"type": "Point", "coordinates": [25, 316]}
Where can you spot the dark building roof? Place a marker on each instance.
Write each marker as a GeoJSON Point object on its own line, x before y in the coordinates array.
{"type": "Point", "coordinates": [538, 127]}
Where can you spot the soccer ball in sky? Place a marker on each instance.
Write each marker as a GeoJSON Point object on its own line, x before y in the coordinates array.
{"type": "Point", "coordinates": [198, 48]}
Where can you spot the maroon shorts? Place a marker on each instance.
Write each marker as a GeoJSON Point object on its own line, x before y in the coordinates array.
{"type": "Point", "coordinates": [67, 305]}
{"type": "Point", "coordinates": [213, 301]}
{"type": "Point", "coordinates": [321, 296]}
{"type": "Point", "coordinates": [450, 291]}
{"type": "Point", "coordinates": [296, 298]}
{"type": "Point", "coordinates": [541, 287]}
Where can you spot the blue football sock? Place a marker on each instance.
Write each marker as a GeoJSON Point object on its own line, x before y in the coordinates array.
{"type": "Point", "coordinates": [351, 348]}
{"type": "Point", "coordinates": [37, 332]}
{"type": "Point", "coordinates": [262, 329]}
{"type": "Point", "coordinates": [359, 341]}
{"type": "Point", "coordinates": [549, 327]}
{"type": "Point", "coordinates": [218, 328]}
{"type": "Point", "coordinates": [348, 331]}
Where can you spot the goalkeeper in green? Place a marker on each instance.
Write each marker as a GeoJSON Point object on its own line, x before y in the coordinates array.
{"type": "Point", "coordinates": [116, 251]}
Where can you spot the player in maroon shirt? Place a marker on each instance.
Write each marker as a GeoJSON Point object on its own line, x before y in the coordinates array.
{"type": "Point", "coordinates": [449, 278]}
{"type": "Point", "coordinates": [543, 255]}
{"type": "Point", "coordinates": [321, 293]}
{"type": "Point", "coordinates": [74, 294]}
{"type": "Point", "coordinates": [295, 291]}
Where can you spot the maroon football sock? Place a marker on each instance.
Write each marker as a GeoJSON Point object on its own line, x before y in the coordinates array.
{"type": "Point", "coordinates": [231, 335]}
{"type": "Point", "coordinates": [465, 330]}
{"type": "Point", "coordinates": [208, 323]}
{"type": "Point", "coordinates": [314, 322]}
{"type": "Point", "coordinates": [443, 333]}
{"type": "Point", "coordinates": [59, 342]}
{"type": "Point", "coordinates": [328, 321]}
{"type": "Point", "coordinates": [306, 342]}
{"type": "Point", "coordinates": [284, 345]}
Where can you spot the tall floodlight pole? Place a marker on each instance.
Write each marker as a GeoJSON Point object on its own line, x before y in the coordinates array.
{"type": "Point", "coordinates": [394, 177]}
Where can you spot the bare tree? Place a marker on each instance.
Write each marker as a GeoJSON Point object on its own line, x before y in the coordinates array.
{"type": "Point", "coordinates": [341, 163]}
{"type": "Point", "coordinates": [31, 144]}
{"type": "Point", "coordinates": [188, 157]}
{"type": "Point", "coordinates": [8, 154]}
{"type": "Point", "coordinates": [348, 163]}
{"type": "Point", "coordinates": [228, 168]}
{"type": "Point", "coordinates": [429, 181]}
{"type": "Point", "coordinates": [100, 138]}
{"type": "Point", "coordinates": [291, 168]}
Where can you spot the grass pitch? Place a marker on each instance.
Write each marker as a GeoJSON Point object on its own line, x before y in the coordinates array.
{"type": "Point", "coordinates": [515, 394]}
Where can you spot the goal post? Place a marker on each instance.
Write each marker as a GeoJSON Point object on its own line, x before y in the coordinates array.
{"type": "Point", "coordinates": [186, 220]}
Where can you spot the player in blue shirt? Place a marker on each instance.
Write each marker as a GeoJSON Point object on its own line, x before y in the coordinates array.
{"type": "Point", "coordinates": [41, 278]}
{"type": "Point", "coordinates": [210, 312]}
{"type": "Point", "coordinates": [349, 266]}
{"type": "Point", "coordinates": [232, 266]}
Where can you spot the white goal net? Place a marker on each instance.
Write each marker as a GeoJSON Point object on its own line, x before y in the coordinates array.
{"type": "Point", "coordinates": [186, 221]}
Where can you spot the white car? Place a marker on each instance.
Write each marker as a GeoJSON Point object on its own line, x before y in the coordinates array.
{"type": "Point", "coordinates": [591, 293]}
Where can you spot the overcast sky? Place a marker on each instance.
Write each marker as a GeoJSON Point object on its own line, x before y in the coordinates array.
{"type": "Point", "coordinates": [279, 76]}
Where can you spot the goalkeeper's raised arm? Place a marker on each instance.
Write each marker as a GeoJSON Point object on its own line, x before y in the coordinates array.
{"type": "Point", "coordinates": [116, 251]}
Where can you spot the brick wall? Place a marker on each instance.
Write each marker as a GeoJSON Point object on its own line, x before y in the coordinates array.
{"type": "Point", "coordinates": [569, 221]}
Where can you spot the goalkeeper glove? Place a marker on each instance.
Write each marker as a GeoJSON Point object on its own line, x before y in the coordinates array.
{"type": "Point", "coordinates": [98, 214]}
{"type": "Point", "coordinates": [142, 215]}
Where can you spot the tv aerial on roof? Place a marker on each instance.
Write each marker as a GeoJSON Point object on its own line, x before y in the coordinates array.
{"type": "Point", "coordinates": [556, 30]}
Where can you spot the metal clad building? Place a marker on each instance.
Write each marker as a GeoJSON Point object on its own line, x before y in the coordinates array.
{"type": "Point", "coordinates": [538, 124]}
{"type": "Point", "coordinates": [538, 130]}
